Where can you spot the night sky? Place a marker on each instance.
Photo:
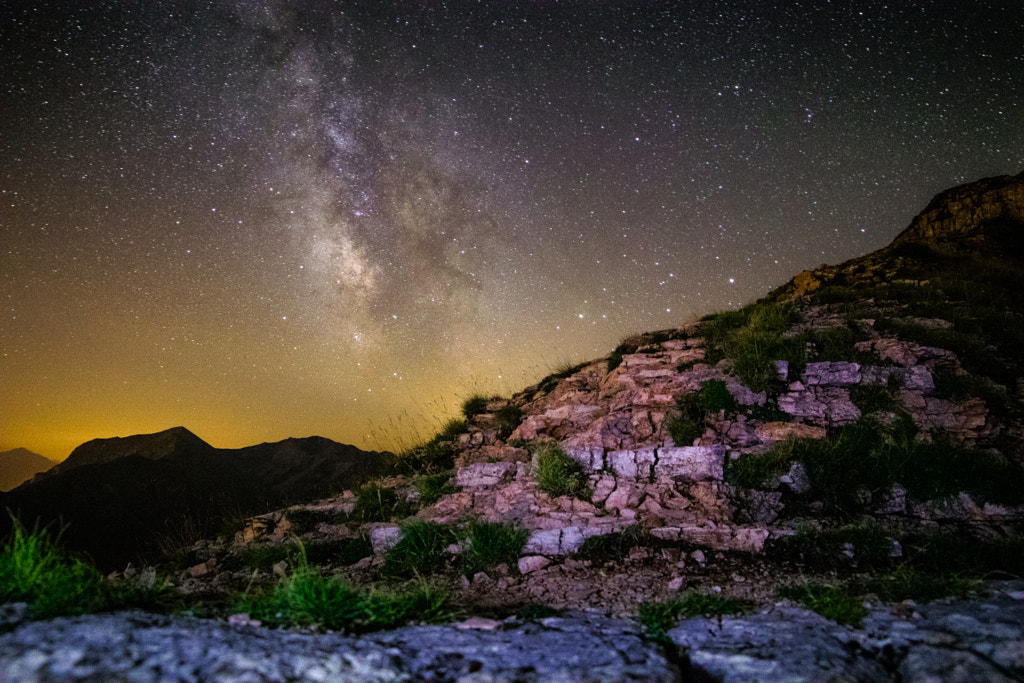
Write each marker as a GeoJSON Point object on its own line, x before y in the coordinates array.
{"type": "Point", "coordinates": [271, 219]}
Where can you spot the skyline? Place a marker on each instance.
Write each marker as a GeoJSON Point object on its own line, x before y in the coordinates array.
{"type": "Point", "coordinates": [262, 221]}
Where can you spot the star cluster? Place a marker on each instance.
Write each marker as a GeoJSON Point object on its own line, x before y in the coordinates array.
{"type": "Point", "coordinates": [263, 219]}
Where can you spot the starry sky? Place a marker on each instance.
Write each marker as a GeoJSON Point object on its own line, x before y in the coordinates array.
{"type": "Point", "coordinates": [262, 219]}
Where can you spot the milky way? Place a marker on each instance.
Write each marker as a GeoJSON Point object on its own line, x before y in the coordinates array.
{"type": "Point", "coordinates": [272, 219]}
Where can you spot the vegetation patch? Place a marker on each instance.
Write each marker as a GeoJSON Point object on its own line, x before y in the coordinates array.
{"type": "Point", "coordinates": [375, 503]}
{"type": "Point", "coordinates": [421, 550]}
{"type": "Point", "coordinates": [490, 544]}
{"type": "Point", "coordinates": [658, 618]}
{"type": "Point", "coordinates": [560, 475]}
{"type": "Point", "coordinates": [834, 602]}
{"type": "Point", "coordinates": [474, 405]}
{"type": "Point", "coordinates": [610, 547]}
{"type": "Point", "coordinates": [506, 419]}
{"type": "Point", "coordinates": [432, 486]}
{"type": "Point", "coordinates": [308, 599]}
{"type": "Point", "coordinates": [435, 455]}
{"type": "Point", "coordinates": [36, 570]}
{"type": "Point", "coordinates": [756, 470]}
{"type": "Point", "coordinates": [753, 338]}
{"type": "Point", "coordinates": [562, 371]}
{"type": "Point", "coordinates": [863, 459]}
{"type": "Point", "coordinates": [867, 547]}
{"type": "Point", "coordinates": [695, 408]}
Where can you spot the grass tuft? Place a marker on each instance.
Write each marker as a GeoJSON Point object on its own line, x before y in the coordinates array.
{"type": "Point", "coordinates": [474, 405]}
{"type": "Point", "coordinates": [833, 602]}
{"type": "Point", "coordinates": [36, 570]}
{"type": "Point", "coordinates": [658, 618]}
{"type": "Point", "coordinates": [490, 544]}
{"type": "Point", "coordinates": [420, 551]}
{"type": "Point", "coordinates": [560, 475]}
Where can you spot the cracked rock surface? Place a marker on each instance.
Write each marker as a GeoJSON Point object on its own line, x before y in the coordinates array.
{"type": "Point", "coordinates": [976, 639]}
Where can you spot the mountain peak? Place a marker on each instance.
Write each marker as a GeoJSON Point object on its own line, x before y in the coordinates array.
{"type": "Point", "coordinates": [150, 446]}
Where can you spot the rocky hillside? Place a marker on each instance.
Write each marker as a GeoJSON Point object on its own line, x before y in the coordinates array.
{"type": "Point", "coordinates": [862, 421]}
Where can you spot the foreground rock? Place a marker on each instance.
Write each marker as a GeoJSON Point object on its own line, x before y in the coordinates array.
{"type": "Point", "coordinates": [973, 640]}
{"type": "Point", "coordinates": [980, 639]}
{"type": "Point", "coordinates": [135, 646]}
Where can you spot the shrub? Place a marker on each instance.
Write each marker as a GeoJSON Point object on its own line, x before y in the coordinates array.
{"type": "Point", "coordinates": [421, 550]}
{"type": "Point", "coordinates": [658, 618]}
{"type": "Point", "coordinates": [435, 455]}
{"type": "Point", "coordinates": [474, 405]}
{"type": "Point", "coordinates": [560, 475]}
{"type": "Point", "coordinates": [490, 544]}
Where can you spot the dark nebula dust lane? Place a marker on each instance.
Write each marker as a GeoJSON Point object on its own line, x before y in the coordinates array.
{"type": "Point", "coordinates": [272, 219]}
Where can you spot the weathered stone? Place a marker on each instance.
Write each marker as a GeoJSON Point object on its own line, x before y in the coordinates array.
{"type": "Point", "coordinates": [690, 463]}
{"type": "Point", "coordinates": [780, 431]}
{"type": "Point", "coordinates": [485, 474]}
{"type": "Point", "coordinates": [796, 479]}
{"type": "Point", "coordinates": [532, 563]}
{"type": "Point", "coordinates": [591, 457]}
{"type": "Point", "coordinates": [383, 537]}
{"type": "Point", "coordinates": [603, 488]}
{"type": "Point", "coordinates": [831, 374]}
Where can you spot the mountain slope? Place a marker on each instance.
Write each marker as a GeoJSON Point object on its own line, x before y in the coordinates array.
{"type": "Point", "coordinates": [19, 465]}
{"type": "Point", "coordinates": [121, 498]}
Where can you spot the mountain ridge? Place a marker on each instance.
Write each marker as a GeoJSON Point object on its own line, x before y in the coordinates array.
{"type": "Point", "coordinates": [18, 465]}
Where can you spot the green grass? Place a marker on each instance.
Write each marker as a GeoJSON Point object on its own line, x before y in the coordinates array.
{"type": "Point", "coordinates": [433, 456]}
{"type": "Point", "coordinates": [863, 457]}
{"type": "Point", "coordinates": [834, 602]}
{"type": "Point", "coordinates": [491, 544]}
{"type": "Point", "coordinates": [755, 470]}
{"type": "Point", "coordinates": [432, 486]}
{"type": "Point", "coordinates": [304, 520]}
{"type": "Point", "coordinates": [375, 503]}
{"type": "Point", "coordinates": [307, 599]}
{"type": "Point", "coordinates": [823, 550]}
{"type": "Point", "coordinates": [420, 551]}
{"type": "Point", "coordinates": [560, 475]}
{"type": "Point", "coordinates": [506, 419]}
{"type": "Point", "coordinates": [474, 405]}
{"type": "Point", "coordinates": [696, 408]}
{"type": "Point", "coordinates": [36, 570]}
{"type": "Point", "coordinates": [614, 546]}
{"type": "Point", "coordinates": [752, 338]}
{"type": "Point", "coordinates": [658, 618]}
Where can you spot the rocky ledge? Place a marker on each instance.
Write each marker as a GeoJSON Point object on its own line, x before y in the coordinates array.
{"type": "Point", "coordinates": [979, 639]}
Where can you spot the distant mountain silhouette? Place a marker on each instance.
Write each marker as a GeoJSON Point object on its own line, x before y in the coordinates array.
{"type": "Point", "coordinates": [120, 498]}
{"type": "Point", "coordinates": [20, 465]}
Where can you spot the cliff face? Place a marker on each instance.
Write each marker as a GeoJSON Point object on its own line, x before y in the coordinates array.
{"type": "Point", "coordinates": [986, 216]}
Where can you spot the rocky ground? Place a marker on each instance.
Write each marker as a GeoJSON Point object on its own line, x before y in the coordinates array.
{"type": "Point", "coordinates": [978, 639]}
